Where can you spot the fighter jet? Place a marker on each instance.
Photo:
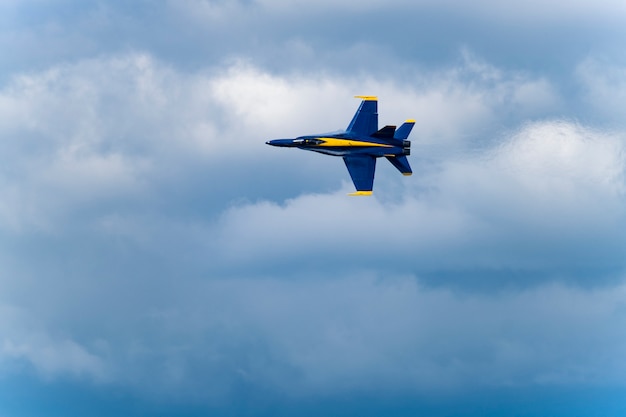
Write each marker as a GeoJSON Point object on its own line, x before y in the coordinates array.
{"type": "Point", "coordinates": [360, 144]}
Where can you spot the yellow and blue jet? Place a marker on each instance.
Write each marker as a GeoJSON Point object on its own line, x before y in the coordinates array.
{"type": "Point", "coordinates": [360, 144]}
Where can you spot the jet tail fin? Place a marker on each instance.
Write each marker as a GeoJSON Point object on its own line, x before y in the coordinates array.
{"type": "Point", "coordinates": [403, 131]}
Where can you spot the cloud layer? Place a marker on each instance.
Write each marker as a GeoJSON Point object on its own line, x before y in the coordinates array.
{"type": "Point", "coordinates": [157, 257]}
{"type": "Point", "coordinates": [314, 293]}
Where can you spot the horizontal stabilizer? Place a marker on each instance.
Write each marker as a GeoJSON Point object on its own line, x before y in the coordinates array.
{"type": "Point", "coordinates": [386, 132]}
{"type": "Point", "coordinates": [401, 163]}
{"type": "Point", "coordinates": [404, 130]}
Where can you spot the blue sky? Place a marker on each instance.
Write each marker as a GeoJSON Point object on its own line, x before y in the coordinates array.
{"type": "Point", "coordinates": [157, 258]}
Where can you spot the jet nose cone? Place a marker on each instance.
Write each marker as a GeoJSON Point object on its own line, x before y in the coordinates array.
{"type": "Point", "coordinates": [280, 142]}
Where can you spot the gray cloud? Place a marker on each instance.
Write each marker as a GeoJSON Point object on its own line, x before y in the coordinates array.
{"type": "Point", "coordinates": [603, 85]}
{"type": "Point", "coordinates": [154, 248]}
{"type": "Point", "coordinates": [323, 336]}
{"type": "Point", "coordinates": [540, 212]}
{"type": "Point", "coordinates": [311, 294]}
{"type": "Point", "coordinates": [371, 37]}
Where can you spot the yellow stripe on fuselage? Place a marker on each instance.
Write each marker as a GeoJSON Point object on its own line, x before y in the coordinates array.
{"type": "Point", "coordinates": [334, 142]}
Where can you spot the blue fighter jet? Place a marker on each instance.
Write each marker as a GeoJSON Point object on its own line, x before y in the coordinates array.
{"type": "Point", "coordinates": [360, 144]}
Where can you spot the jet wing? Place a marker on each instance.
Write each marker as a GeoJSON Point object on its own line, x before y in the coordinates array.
{"type": "Point", "coordinates": [365, 120]}
{"type": "Point", "coordinates": [361, 169]}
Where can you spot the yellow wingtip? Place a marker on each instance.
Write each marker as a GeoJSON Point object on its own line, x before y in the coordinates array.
{"type": "Point", "coordinates": [410, 121]}
{"type": "Point", "coordinates": [360, 193]}
{"type": "Point", "coordinates": [367, 98]}
{"type": "Point", "coordinates": [407, 174]}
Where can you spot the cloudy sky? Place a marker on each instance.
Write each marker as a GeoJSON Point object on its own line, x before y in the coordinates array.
{"type": "Point", "coordinates": [157, 258]}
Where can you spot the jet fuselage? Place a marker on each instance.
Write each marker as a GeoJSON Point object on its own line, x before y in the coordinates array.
{"type": "Point", "coordinates": [344, 144]}
{"type": "Point", "coordinates": [360, 145]}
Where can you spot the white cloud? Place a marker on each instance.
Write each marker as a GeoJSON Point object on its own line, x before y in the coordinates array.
{"type": "Point", "coordinates": [98, 130]}
{"type": "Point", "coordinates": [110, 131]}
{"type": "Point", "coordinates": [448, 105]}
{"type": "Point", "coordinates": [263, 104]}
{"type": "Point", "coordinates": [108, 128]}
{"type": "Point", "coordinates": [548, 192]}
{"type": "Point", "coordinates": [556, 167]}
